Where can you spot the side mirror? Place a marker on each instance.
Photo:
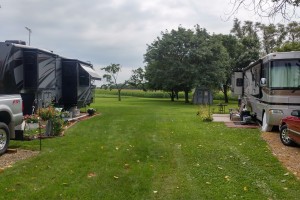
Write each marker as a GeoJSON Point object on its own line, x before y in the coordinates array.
{"type": "Point", "coordinates": [263, 82]}
{"type": "Point", "coordinates": [296, 113]}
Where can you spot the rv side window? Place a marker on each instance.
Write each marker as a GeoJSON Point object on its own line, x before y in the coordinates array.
{"type": "Point", "coordinates": [285, 74]}
{"type": "Point", "coordinates": [239, 82]}
{"type": "Point", "coordinates": [84, 78]}
{"type": "Point", "coordinates": [265, 72]}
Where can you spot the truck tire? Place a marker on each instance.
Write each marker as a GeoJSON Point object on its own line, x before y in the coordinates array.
{"type": "Point", "coordinates": [265, 127]}
{"type": "Point", "coordinates": [4, 137]}
{"type": "Point", "coordinates": [285, 139]}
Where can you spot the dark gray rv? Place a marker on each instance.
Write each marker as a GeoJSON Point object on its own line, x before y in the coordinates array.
{"type": "Point", "coordinates": [270, 87]}
{"type": "Point", "coordinates": [43, 78]}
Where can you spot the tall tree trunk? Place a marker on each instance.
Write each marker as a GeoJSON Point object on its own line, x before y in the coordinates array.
{"type": "Point", "coordinates": [186, 96]}
{"type": "Point", "coordinates": [225, 93]}
{"type": "Point", "coordinates": [119, 94]}
{"type": "Point", "coordinates": [172, 95]}
{"type": "Point", "coordinates": [176, 94]}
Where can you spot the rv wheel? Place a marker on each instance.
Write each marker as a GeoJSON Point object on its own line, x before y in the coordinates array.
{"type": "Point", "coordinates": [265, 127]}
{"type": "Point", "coordinates": [4, 138]}
{"type": "Point", "coordinates": [284, 137]}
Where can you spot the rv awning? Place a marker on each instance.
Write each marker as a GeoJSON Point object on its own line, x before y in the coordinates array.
{"type": "Point", "coordinates": [91, 72]}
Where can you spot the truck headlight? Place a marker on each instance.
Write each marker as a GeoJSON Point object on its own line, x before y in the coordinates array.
{"type": "Point", "coordinates": [276, 111]}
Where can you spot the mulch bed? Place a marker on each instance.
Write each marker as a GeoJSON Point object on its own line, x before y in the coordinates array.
{"type": "Point", "coordinates": [71, 122]}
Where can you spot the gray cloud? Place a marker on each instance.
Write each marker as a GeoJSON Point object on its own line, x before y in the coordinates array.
{"type": "Point", "coordinates": [105, 32]}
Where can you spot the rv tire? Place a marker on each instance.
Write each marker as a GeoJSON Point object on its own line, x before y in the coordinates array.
{"type": "Point", "coordinates": [284, 137]}
{"type": "Point", "coordinates": [265, 127]}
{"type": "Point", "coordinates": [4, 137]}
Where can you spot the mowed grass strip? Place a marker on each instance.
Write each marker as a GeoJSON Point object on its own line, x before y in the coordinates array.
{"type": "Point", "coordinates": [143, 148]}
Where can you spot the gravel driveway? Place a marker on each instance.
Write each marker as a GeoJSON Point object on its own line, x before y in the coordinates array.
{"type": "Point", "coordinates": [288, 156]}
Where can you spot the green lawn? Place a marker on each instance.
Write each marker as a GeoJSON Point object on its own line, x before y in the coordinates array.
{"type": "Point", "coordinates": [142, 148]}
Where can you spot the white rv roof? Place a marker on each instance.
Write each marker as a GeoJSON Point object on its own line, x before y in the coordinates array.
{"type": "Point", "coordinates": [30, 47]}
{"type": "Point", "coordinates": [282, 55]}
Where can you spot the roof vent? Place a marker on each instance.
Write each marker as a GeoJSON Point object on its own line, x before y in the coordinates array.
{"type": "Point", "coordinates": [16, 42]}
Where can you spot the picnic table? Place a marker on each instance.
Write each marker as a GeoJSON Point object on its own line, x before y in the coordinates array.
{"type": "Point", "coordinates": [222, 107]}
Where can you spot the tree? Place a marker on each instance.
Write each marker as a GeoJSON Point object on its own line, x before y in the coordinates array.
{"type": "Point", "coordinates": [111, 76]}
{"type": "Point", "coordinates": [168, 66]}
{"type": "Point", "coordinates": [241, 48]}
{"type": "Point", "coordinates": [290, 37]}
{"type": "Point", "coordinates": [137, 79]}
{"type": "Point", "coordinates": [249, 43]}
{"type": "Point", "coordinates": [293, 31]}
{"type": "Point", "coordinates": [234, 50]}
{"type": "Point", "coordinates": [272, 37]}
{"type": "Point", "coordinates": [289, 46]}
{"type": "Point", "coordinates": [184, 59]}
{"type": "Point", "coordinates": [267, 8]}
{"type": "Point", "coordinates": [210, 59]}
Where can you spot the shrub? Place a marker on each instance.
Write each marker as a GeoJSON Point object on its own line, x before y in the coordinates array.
{"type": "Point", "coordinates": [205, 113]}
{"type": "Point", "coordinates": [57, 123]}
{"type": "Point", "coordinates": [47, 113]}
{"type": "Point", "coordinates": [54, 116]}
{"type": "Point", "coordinates": [91, 111]}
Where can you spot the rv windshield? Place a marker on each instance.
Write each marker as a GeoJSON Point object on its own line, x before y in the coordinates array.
{"type": "Point", "coordinates": [285, 74]}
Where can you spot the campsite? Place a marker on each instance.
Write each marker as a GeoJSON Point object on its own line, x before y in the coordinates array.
{"type": "Point", "coordinates": [155, 100]}
{"type": "Point", "coordinates": [149, 148]}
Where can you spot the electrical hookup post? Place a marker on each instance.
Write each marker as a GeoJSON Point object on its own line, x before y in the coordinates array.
{"type": "Point", "coordinates": [36, 103]}
{"type": "Point", "coordinates": [39, 121]}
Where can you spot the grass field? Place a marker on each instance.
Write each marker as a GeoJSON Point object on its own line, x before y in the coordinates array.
{"type": "Point", "coordinates": [147, 148]}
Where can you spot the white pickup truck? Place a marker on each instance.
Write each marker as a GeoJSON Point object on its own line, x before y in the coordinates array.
{"type": "Point", "coordinates": [11, 115]}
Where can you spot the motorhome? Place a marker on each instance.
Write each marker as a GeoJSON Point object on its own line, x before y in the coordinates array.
{"type": "Point", "coordinates": [43, 78]}
{"type": "Point", "coordinates": [270, 87]}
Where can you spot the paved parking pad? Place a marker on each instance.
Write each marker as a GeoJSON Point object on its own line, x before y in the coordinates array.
{"type": "Point", "coordinates": [232, 124]}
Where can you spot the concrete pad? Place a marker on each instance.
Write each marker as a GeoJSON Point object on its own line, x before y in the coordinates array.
{"type": "Point", "coordinates": [221, 118]}
{"type": "Point", "coordinates": [231, 124]}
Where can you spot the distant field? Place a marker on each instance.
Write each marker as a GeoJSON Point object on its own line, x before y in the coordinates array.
{"type": "Point", "coordinates": [153, 94]}
{"type": "Point", "coordinates": [149, 148]}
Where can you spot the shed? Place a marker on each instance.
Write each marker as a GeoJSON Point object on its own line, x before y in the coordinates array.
{"type": "Point", "coordinates": [202, 96]}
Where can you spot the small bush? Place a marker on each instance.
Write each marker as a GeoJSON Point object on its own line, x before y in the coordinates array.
{"type": "Point", "coordinates": [57, 123]}
{"type": "Point", "coordinates": [47, 113]}
{"type": "Point", "coordinates": [205, 113]}
{"type": "Point", "coordinates": [55, 118]}
{"type": "Point", "coordinates": [91, 111]}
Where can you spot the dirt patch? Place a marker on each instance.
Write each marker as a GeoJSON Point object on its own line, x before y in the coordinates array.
{"type": "Point", "coordinates": [288, 156]}
{"type": "Point", "coordinates": [238, 124]}
{"type": "Point", "coordinates": [12, 156]}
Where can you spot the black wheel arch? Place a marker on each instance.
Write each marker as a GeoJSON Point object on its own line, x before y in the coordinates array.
{"type": "Point", "coordinates": [5, 117]}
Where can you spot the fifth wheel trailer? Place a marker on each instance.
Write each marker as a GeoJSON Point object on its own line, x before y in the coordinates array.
{"type": "Point", "coordinates": [43, 78]}
{"type": "Point", "coordinates": [270, 87]}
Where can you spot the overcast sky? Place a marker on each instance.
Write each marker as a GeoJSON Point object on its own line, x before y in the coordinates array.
{"type": "Point", "coordinates": [113, 31]}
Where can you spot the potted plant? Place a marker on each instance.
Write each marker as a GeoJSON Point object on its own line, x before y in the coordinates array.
{"type": "Point", "coordinates": [31, 121]}
{"type": "Point", "coordinates": [31, 118]}
{"type": "Point", "coordinates": [91, 111]}
{"type": "Point", "coordinates": [46, 113]}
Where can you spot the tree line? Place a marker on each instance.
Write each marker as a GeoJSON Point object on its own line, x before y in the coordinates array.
{"type": "Point", "coordinates": [183, 59]}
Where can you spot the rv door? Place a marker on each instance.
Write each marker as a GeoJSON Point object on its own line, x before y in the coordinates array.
{"type": "Point", "coordinates": [237, 83]}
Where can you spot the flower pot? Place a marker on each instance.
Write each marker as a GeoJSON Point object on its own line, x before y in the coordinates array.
{"type": "Point", "coordinates": [31, 126]}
